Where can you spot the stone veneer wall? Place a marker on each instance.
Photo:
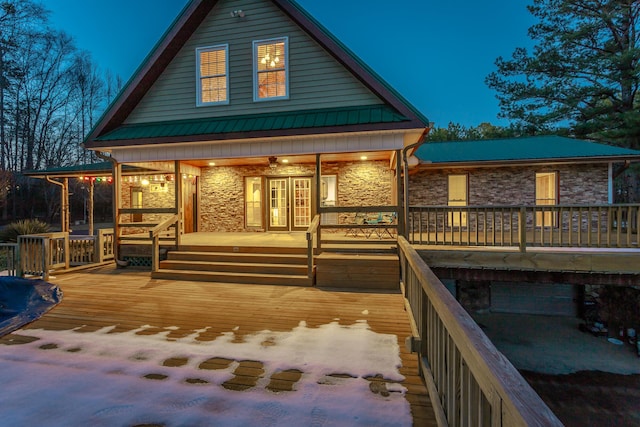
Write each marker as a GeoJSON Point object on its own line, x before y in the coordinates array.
{"type": "Point", "coordinates": [222, 188]}
{"type": "Point", "coordinates": [579, 184]}
{"type": "Point", "coordinates": [149, 200]}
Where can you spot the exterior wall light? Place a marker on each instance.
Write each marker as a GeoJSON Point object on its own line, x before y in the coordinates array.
{"type": "Point", "coordinates": [238, 14]}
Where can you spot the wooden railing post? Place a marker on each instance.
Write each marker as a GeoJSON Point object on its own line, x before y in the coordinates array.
{"type": "Point", "coordinates": [99, 247]}
{"type": "Point", "coordinates": [155, 253]}
{"type": "Point", "coordinates": [522, 229]}
{"type": "Point", "coordinates": [312, 232]}
{"type": "Point", "coordinates": [45, 258]}
{"type": "Point", "coordinates": [67, 255]}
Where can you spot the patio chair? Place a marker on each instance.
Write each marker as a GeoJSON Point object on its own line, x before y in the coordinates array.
{"type": "Point", "coordinates": [359, 219]}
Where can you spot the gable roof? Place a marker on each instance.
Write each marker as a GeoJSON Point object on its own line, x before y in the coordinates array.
{"type": "Point", "coordinates": [178, 34]}
{"type": "Point", "coordinates": [546, 148]}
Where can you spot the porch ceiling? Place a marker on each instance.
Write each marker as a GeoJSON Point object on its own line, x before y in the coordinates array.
{"type": "Point", "coordinates": [292, 160]}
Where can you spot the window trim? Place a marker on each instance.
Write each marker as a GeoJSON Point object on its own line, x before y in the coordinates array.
{"type": "Point", "coordinates": [257, 43]}
{"type": "Point", "coordinates": [199, 50]}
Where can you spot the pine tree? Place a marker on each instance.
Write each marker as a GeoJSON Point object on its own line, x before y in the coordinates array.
{"type": "Point", "coordinates": [583, 71]}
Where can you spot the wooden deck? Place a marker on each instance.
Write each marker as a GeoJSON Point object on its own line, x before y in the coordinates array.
{"type": "Point", "coordinates": [129, 299]}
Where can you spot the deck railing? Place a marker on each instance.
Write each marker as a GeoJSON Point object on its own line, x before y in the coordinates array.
{"type": "Point", "coordinates": [85, 249]}
{"type": "Point", "coordinates": [371, 222]}
{"type": "Point", "coordinates": [156, 234]}
{"type": "Point", "coordinates": [472, 381]}
{"type": "Point", "coordinates": [313, 235]}
{"type": "Point", "coordinates": [39, 254]}
{"type": "Point", "coordinates": [42, 253]}
{"type": "Point", "coordinates": [9, 259]}
{"type": "Point", "coordinates": [596, 226]}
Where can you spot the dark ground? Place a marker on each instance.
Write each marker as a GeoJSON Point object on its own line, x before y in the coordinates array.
{"type": "Point", "coordinates": [590, 398]}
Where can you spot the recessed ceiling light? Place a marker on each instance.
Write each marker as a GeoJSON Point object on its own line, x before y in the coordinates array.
{"type": "Point", "coordinates": [285, 160]}
{"type": "Point", "coordinates": [363, 157]}
{"type": "Point", "coordinates": [212, 163]}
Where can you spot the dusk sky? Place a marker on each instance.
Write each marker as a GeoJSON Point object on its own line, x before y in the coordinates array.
{"type": "Point", "coordinates": [436, 53]}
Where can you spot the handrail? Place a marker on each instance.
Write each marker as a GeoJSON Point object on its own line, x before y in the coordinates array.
{"type": "Point", "coordinates": [471, 380]}
{"type": "Point", "coordinates": [311, 232]}
{"type": "Point", "coordinates": [154, 235]}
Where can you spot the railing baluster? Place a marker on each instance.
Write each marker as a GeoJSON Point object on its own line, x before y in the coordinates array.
{"type": "Point", "coordinates": [629, 226]}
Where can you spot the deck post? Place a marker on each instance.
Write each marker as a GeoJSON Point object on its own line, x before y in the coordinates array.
{"type": "Point", "coordinates": [399, 200]}
{"type": "Point", "coordinates": [90, 207]}
{"type": "Point", "coordinates": [117, 203]}
{"type": "Point", "coordinates": [522, 229]}
{"type": "Point", "coordinates": [318, 198]}
{"type": "Point", "coordinates": [178, 202]}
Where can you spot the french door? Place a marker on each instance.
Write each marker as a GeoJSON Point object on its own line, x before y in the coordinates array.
{"type": "Point", "coordinates": [290, 201]}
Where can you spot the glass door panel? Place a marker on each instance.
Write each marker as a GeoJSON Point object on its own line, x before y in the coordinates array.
{"type": "Point", "coordinates": [457, 196]}
{"type": "Point", "coordinates": [301, 202]}
{"type": "Point", "coordinates": [278, 206]}
{"type": "Point", "coordinates": [546, 194]}
{"type": "Point", "coordinates": [253, 201]}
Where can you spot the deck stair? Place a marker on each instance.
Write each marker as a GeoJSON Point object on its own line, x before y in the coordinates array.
{"type": "Point", "coordinates": [237, 264]}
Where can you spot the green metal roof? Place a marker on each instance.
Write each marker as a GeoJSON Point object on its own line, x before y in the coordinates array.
{"type": "Point", "coordinates": [362, 115]}
{"type": "Point", "coordinates": [536, 148]}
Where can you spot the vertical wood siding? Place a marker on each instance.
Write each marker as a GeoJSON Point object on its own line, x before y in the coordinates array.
{"type": "Point", "coordinates": [316, 79]}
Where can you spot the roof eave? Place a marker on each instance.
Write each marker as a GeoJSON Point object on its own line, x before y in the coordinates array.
{"type": "Point", "coordinates": [425, 164]}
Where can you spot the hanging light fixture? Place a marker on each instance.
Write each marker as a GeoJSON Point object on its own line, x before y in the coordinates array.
{"type": "Point", "coordinates": [273, 162]}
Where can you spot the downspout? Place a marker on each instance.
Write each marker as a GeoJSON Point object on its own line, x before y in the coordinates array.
{"type": "Point", "coordinates": [405, 169]}
{"type": "Point", "coordinates": [114, 207]}
{"type": "Point", "coordinates": [64, 204]}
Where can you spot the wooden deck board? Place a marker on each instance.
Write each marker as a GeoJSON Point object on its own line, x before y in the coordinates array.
{"type": "Point", "coordinates": [128, 299]}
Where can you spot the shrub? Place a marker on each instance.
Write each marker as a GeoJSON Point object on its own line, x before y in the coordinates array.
{"type": "Point", "coordinates": [25, 226]}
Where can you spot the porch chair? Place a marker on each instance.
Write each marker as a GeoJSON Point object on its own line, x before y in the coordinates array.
{"type": "Point", "coordinates": [359, 219]}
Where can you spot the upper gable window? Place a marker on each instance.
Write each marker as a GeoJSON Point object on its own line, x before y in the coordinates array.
{"type": "Point", "coordinates": [271, 69]}
{"type": "Point", "coordinates": [213, 75]}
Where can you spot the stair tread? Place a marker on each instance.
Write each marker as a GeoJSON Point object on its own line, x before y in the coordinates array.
{"type": "Point", "coordinates": [225, 273]}
{"type": "Point", "coordinates": [241, 254]}
{"type": "Point", "coordinates": [238, 264]}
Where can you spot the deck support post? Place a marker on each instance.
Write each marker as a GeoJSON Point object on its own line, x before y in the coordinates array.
{"type": "Point", "coordinates": [90, 207]}
{"type": "Point", "coordinates": [318, 198]}
{"type": "Point", "coordinates": [399, 202]}
{"type": "Point", "coordinates": [178, 202]}
{"type": "Point", "coordinates": [117, 204]}
{"type": "Point", "coordinates": [522, 229]}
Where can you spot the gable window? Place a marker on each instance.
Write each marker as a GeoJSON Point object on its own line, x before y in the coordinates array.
{"type": "Point", "coordinates": [457, 195]}
{"type": "Point", "coordinates": [271, 69]}
{"type": "Point", "coordinates": [546, 194]}
{"type": "Point", "coordinates": [213, 75]}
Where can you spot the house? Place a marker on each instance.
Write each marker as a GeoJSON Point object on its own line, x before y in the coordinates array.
{"type": "Point", "coordinates": [541, 170]}
{"type": "Point", "coordinates": [252, 116]}
{"type": "Point", "coordinates": [561, 190]}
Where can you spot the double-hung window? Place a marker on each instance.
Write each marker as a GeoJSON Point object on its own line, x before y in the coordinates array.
{"type": "Point", "coordinates": [212, 67]}
{"type": "Point", "coordinates": [270, 69]}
